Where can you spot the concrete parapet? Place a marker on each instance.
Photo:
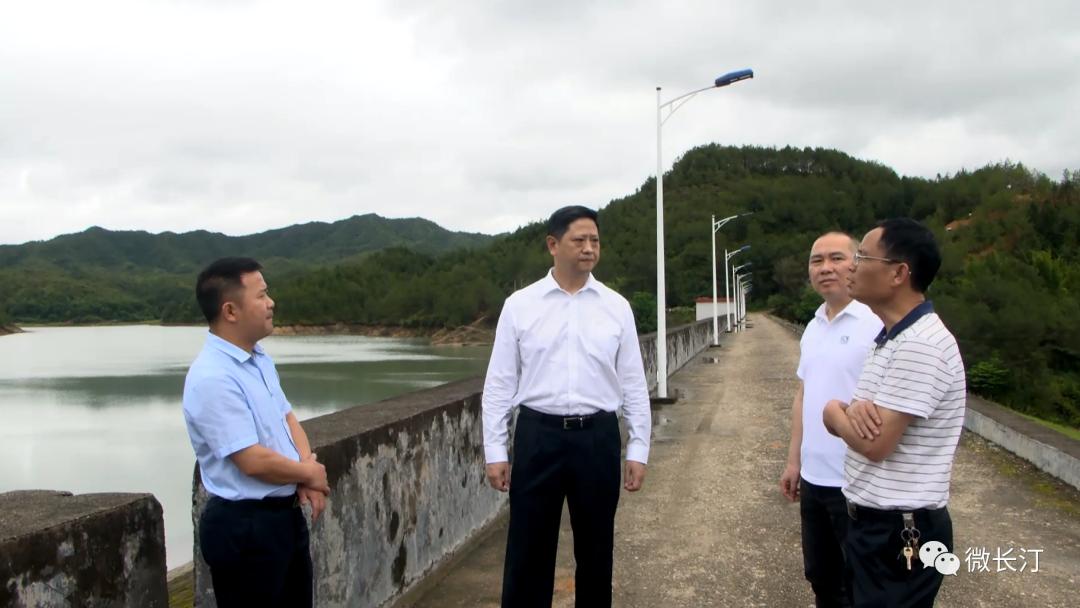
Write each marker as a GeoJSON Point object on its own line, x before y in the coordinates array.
{"type": "Point", "coordinates": [683, 343]}
{"type": "Point", "coordinates": [1044, 447]}
{"type": "Point", "coordinates": [94, 550]}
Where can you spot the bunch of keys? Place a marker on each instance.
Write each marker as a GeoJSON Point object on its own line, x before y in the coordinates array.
{"type": "Point", "coordinates": [910, 536]}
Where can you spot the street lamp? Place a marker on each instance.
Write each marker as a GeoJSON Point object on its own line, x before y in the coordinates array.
{"type": "Point", "coordinates": [743, 291]}
{"type": "Point", "coordinates": [735, 278]}
{"type": "Point", "coordinates": [727, 289]}
{"type": "Point", "coordinates": [716, 226]}
{"type": "Point", "coordinates": [747, 288]}
{"type": "Point", "coordinates": [661, 294]}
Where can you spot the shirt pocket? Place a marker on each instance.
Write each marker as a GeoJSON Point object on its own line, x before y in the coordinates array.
{"type": "Point", "coordinates": [539, 341]}
{"type": "Point", "coordinates": [601, 337]}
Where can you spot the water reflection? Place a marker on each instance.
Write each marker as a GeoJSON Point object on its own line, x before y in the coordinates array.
{"type": "Point", "coordinates": [97, 409]}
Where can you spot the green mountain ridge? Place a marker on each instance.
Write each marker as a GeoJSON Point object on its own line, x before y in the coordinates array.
{"type": "Point", "coordinates": [1009, 287]}
{"type": "Point", "coordinates": [309, 243]}
{"type": "Point", "coordinates": [100, 275]}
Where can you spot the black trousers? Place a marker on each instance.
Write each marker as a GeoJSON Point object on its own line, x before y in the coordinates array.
{"type": "Point", "coordinates": [824, 525]}
{"type": "Point", "coordinates": [258, 552]}
{"type": "Point", "coordinates": [556, 460]}
{"type": "Point", "coordinates": [880, 578]}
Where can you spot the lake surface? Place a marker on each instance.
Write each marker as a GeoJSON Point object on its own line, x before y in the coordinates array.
{"type": "Point", "coordinates": [98, 409]}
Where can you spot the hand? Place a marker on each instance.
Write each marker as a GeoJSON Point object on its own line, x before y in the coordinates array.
{"type": "Point", "coordinates": [316, 475]}
{"type": "Point", "coordinates": [498, 474]}
{"type": "Point", "coordinates": [316, 499]}
{"type": "Point", "coordinates": [634, 476]}
{"type": "Point", "coordinates": [865, 418]}
{"type": "Point", "coordinates": [789, 482]}
{"type": "Point", "coordinates": [833, 409]}
{"type": "Point", "coordinates": [311, 496]}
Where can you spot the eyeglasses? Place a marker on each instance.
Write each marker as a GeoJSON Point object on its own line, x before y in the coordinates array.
{"type": "Point", "coordinates": [858, 257]}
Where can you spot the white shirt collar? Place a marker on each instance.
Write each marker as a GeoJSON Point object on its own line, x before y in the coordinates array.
{"type": "Point", "coordinates": [550, 284]}
{"type": "Point", "coordinates": [854, 308]}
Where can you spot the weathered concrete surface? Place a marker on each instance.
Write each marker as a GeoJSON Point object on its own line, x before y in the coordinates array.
{"type": "Point", "coordinates": [1044, 447]}
{"type": "Point", "coordinates": [684, 342]}
{"type": "Point", "coordinates": [710, 527]}
{"type": "Point", "coordinates": [408, 488]}
{"type": "Point", "coordinates": [94, 550]}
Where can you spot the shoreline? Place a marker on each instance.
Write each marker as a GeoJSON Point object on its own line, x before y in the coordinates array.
{"type": "Point", "coordinates": [354, 329]}
{"type": "Point", "coordinates": [467, 335]}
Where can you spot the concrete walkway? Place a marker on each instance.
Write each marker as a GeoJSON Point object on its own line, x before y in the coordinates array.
{"type": "Point", "coordinates": [710, 528]}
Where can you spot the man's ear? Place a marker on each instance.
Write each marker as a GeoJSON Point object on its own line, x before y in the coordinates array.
{"type": "Point", "coordinates": [901, 274]}
{"type": "Point", "coordinates": [229, 310]}
{"type": "Point", "coordinates": [552, 244]}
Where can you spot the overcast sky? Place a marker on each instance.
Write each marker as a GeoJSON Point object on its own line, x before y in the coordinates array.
{"type": "Point", "coordinates": [243, 115]}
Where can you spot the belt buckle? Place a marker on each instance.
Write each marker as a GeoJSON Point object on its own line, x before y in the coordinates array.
{"type": "Point", "coordinates": [566, 422]}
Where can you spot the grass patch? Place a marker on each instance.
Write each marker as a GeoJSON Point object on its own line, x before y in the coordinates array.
{"type": "Point", "coordinates": [182, 591]}
{"type": "Point", "coordinates": [1068, 431]}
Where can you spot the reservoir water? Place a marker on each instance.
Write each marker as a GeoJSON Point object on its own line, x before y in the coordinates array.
{"type": "Point", "coordinates": [98, 409]}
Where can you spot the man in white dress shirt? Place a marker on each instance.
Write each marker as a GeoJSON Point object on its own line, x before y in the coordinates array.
{"type": "Point", "coordinates": [833, 349]}
{"type": "Point", "coordinates": [566, 354]}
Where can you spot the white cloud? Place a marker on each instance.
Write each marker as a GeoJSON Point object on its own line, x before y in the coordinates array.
{"type": "Point", "coordinates": [245, 115]}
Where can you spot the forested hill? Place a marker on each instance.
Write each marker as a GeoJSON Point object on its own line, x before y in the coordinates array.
{"type": "Point", "coordinates": [105, 275]}
{"type": "Point", "coordinates": [1008, 288]}
{"type": "Point", "coordinates": [311, 243]}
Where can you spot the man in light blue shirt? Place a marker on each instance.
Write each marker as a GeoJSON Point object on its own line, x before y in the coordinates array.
{"type": "Point", "coordinates": [254, 457]}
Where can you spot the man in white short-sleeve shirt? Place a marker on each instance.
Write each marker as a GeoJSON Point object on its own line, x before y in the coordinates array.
{"type": "Point", "coordinates": [903, 426]}
{"type": "Point", "coordinates": [833, 349]}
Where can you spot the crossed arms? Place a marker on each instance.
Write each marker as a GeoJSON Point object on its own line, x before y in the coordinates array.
{"type": "Point", "coordinates": [265, 464]}
{"type": "Point", "coordinates": [868, 429]}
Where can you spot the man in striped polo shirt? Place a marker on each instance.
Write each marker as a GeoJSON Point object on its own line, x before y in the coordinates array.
{"type": "Point", "coordinates": [904, 422]}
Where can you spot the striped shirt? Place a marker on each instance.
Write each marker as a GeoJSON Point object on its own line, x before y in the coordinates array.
{"type": "Point", "coordinates": [915, 369]}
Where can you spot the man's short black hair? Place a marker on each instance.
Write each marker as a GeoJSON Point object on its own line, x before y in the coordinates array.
{"type": "Point", "coordinates": [909, 241]}
{"type": "Point", "coordinates": [560, 221]}
{"type": "Point", "coordinates": [219, 279]}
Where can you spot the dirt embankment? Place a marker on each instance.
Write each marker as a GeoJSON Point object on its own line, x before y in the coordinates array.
{"type": "Point", "coordinates": [6, 330]}
{"type": "Point", "coordinates": [477, 333]}
{"type": "Point", "coordinates": [353, 329]}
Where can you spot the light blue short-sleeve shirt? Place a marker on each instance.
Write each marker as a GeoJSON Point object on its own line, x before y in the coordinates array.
{"type": "Point", "coordinates": [233, 400]}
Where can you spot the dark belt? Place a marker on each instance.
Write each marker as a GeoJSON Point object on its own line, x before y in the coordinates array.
{"type": "Point", "coordinates": [566, 423]}
{"type": "Point", "coordinates": [857, 512]}
{"type": "Point", "coordinates": [270, 503]}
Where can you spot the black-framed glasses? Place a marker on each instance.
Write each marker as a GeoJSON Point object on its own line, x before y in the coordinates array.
{"type": "Point", "coordinates": [858, 257]}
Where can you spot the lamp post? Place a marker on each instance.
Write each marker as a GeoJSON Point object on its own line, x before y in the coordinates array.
{"type": "Point", "coordinates": [734, 291]}
{"type": "Point", "coordinates": [716, 226]}
{"type": "Point", "coordinates": [661, 294]}
{"type": "Point", "coordinates": [727, 289]}
{"type": "Point", "coordinates": [744, 291]}
{"type": "Point", "coordinates": [747, 288]}
{"type": "Point", "coordinates": [744, 288]}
